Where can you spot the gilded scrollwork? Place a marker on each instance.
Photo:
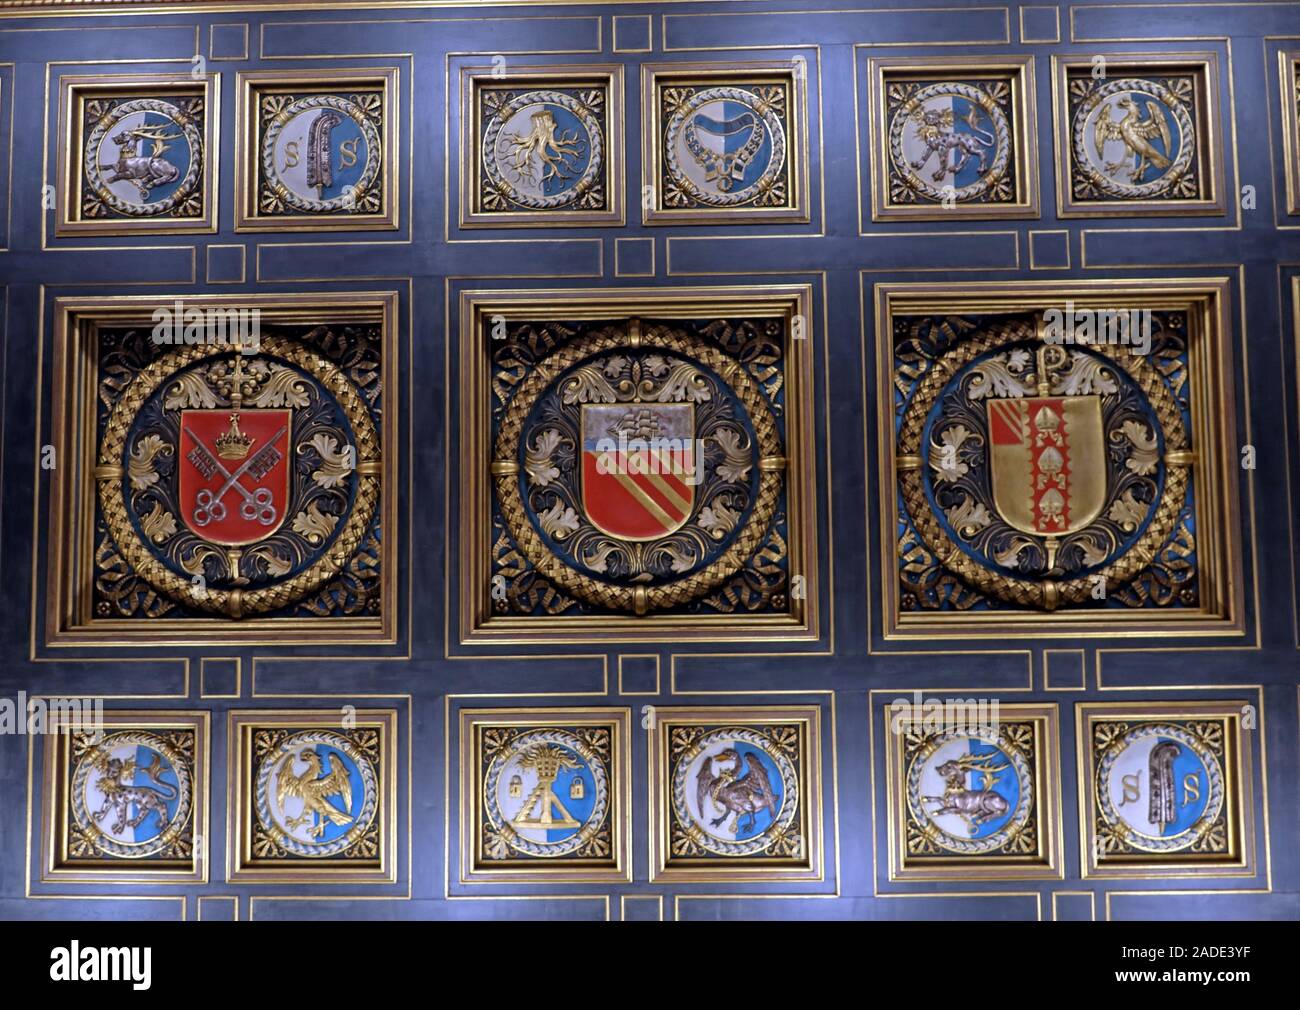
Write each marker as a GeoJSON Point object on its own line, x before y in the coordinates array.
{"type": "Point", "coordinates": [283, 447]}
{"type": "Point", "coordinates": [579, 410]}
{"type": "Point", "coordinates": [991, 416]}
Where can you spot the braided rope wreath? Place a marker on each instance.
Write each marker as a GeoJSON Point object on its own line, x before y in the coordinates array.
{"type": "Point", "coordinates": [236, 603]}
{"type": "Point", "coordinates": [1213, 803]}
{"type": "Point", "coordinates": [94, 173]}
{"type": "Point", "coordinates": [178, 824]}
{"type": "Point", "coordinates": [680, 122]}
{"type": "Point", "coordinates": [600, 808]}
{"type": "Point", "coordinates": [636, 599]}
{"type": "Point", "coordinates": [1048, 593]}
{"type": "Point", "coordinates": [1134, 191]}
{"type": "Point", "coordinates": [595, 140]}
{"type": "Point", "coordinates": [789, 798]}
{"type": "Point", "coordinates": [970, 846]}
{"type": "Point", "coordinates": [1001, 135]}
{"type": "Point", "coordinates": [370, 803]}
{"type": "Point", "coordinates": [349, 198]}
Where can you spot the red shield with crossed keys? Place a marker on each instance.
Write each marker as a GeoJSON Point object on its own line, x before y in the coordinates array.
{"type": "Point", "coordinates": [234, 473]}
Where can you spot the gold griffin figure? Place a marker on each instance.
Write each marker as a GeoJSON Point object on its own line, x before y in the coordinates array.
{"type": "Point", "coordinates": [738, 795]}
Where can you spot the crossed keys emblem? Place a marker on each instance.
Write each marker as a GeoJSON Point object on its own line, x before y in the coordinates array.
{"type": "Point", "coordinates": [258, 504]}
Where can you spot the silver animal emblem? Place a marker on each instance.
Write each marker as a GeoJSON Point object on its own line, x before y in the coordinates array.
{"type": "Point", "coordinates": [145, 173]}
{"type": "Point", "coordinates": [974, 806]}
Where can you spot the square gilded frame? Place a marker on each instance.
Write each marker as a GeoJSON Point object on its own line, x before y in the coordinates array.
{"type": "Point", "coordinates": [55, 791]}
{"type": "Point", "coordinates": [1289, 89]}
{"type": "Point", "coordinates": [1019, 73]}
{"type": "Point", "coordinates": [806, 867]}
{"type": "Point", "coordinates": [1045, 863]}
{"type": "Point", "coordinates": [476, 80]}
{"type": "Point", "coordinates": [792, 73]}
{"type": "Point", "coordinates": [74, 92]}
{"type": "Point", "coordinates": [250, 85]}
{"type": "Point", "coordinates": [478, 623]}
{"type": "Point", "coordinates": [242, 864]}
{"type": "Point", "coordinates": [69, 534]}
{"type": "Point", "coordinates": [1204, 69]}
{"type": "Point", "coordinates": [1215, 468]}
{"type": "Point", "coordinates": [1239, 861]}
{"type": "Point", "coordinates": [475, 869]}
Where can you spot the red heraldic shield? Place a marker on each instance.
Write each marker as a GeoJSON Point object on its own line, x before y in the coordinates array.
{"type": "Point", "coordinates": [234, 473]}
{"type": "Point", "coordinates": [638, 468]}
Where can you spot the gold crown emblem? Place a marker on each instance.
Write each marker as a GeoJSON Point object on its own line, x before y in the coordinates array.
{"type": "Point", "coordinates": [233, 444]}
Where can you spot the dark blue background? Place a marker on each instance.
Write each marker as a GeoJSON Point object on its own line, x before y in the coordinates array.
{"type": "Point", "coordinates": [428, 676]}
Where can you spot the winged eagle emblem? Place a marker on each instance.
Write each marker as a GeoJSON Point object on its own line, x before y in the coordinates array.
{"type": "Point", "coordinates": [1136, 134]}
{"type": "Point", "coordinates": [314, 789]}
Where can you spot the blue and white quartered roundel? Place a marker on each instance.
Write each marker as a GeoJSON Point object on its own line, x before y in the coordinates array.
{"type": "Point", "coordinates": [316, 793]}
{"type": "Point", "coordinates": [550, 790]}
{"type": "Point", "coordinates": [132, 793]}
{"type": "Point", "coordinates": [143, 158]}
{"type": "Point", "coordinates": [950, 141]}
{"type": "Point", "coordinates": [736, 790]}
{"type": "Point", "coordinates": [973, 795]}
{"type": "Point", "coordinates": [545, 150]}
{"type": "Point", "coordinates": [725, 146]}
{"type": "Point", "coordinates": [1163, 785]}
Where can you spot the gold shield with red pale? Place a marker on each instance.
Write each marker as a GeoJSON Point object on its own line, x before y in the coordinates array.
{"type": "Point", "coordinates": [234, 473]}
{"type": "Point", "coordinates": [1048, 460]}
{"type": "Point", "coordinates": [638, 468]}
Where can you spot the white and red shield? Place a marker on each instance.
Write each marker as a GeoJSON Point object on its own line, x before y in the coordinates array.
{"type": "Point", "coordinates": [638, 467]}
{"type": "Point", "coordinates": [234, 473]}
{"type": "Point", "coordinates": [1048, 457]}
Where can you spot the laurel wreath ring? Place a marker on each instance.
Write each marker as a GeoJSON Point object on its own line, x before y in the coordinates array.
{"type": "Point", "coordinates": [599, 809]}
{"type": "Point", "coordinates": [789, 794]}
{"type": "Point", "coordinates": [175, 826]}
{"type": "Point", "coordinates": [970, 846]}
{"type": "Point", "coordinates": [95, 176]}
{"type": "Point", "coordinates": [1001, 135]}
{"type": "Point", "coordinates": [369, 805]}
{"type": "Point", "coordinates": [1109, 186]}
{"type": "Point", "coordinates": [771, 122]}
{"type": "Point", "coordinates": [351, 196]}
{"type": "Point", "coordinates": [595, 142]}
{"type": "Point", "coordinates": [1213, 803]}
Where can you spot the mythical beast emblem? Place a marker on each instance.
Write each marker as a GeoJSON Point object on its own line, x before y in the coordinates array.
{"type": "Point", "coordinates": [736, 793]}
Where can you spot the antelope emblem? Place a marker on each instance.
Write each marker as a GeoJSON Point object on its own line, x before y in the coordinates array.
{"type": "Point", "coordinates": [974, 806]}
{"type": "Point", "coordinates": [143, 172]}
